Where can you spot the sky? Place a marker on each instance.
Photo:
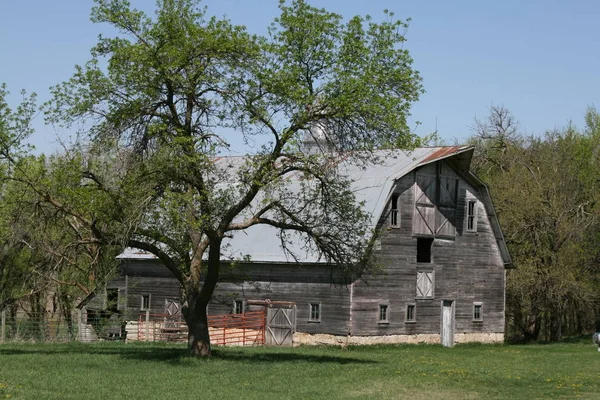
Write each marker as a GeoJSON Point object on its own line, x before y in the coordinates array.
{"type": "Point", "coordinates": [538, 58]}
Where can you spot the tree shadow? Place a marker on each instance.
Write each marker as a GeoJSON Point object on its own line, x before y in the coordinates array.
{"type": "Point", "coordinates": [176, 355]}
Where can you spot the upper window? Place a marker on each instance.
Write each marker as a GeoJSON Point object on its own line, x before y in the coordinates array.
{"type": "Point", "coordinates": [425, 284]}
{"type": "Point", "coordinates": [472, 216]}
{"type": "Point", "coordinates": [314, 312]}
{"type": "Point", "coordinates": [238, 307]}
{"type": "Point", "coordinates": [383, 313]}
{"type": "Point", "coordinates": [424, 250]}
{"type": "Point", "coordinates": [395, 211]}
{"type": "Point", "coordinates": [145, 302]}
{"type": "Point", "coordinates": [477, 312]}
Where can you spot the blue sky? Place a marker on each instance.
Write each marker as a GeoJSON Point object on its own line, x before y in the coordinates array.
{"type": "Point", "coordinates": [538, 58]}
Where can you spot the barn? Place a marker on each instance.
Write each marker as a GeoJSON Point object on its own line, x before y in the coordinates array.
{"type": "Point", "coordinates": [441, 254]}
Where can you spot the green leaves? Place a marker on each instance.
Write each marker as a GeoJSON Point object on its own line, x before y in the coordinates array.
{"type": "Point", "coordinates": [546, 195]}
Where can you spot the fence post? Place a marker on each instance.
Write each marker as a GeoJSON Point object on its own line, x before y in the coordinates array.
{"type": "Point", "coordinates": [148, 326]}
{"type": "Point", "coordinates": [3, 327]}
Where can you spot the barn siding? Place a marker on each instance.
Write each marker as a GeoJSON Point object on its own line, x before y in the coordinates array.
{"type": "Point", "coordinates": [467, 268]}
{"type": "Point", "coordinates": [302, 285]}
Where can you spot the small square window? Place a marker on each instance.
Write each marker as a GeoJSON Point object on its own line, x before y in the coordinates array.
{"type": "Point", "coordinates": [411, 313]}
{"type": "Point", "coordinates": [472, 216]}
{"type": "Point", "coordinates": [145, 302]}
{"type": "Point", "coordinates": [315, 312]}
{"type": "Point", "coordinates": [238, 307]}
{"type": "Point", "coordinates": [478, 312]}
{"type": "Point", "coordinates": [395, 211]}
{"type": "Point", "coordinates": [383, 313]}
{"type": "Point", "coordinates": [424, 246]}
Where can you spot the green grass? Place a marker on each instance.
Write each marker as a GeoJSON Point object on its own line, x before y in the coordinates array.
{"type": "Point", "coordinates": [161, 371]}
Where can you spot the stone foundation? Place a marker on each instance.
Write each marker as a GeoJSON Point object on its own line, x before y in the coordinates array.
{"type": "Point", "coordinates": [478, 337]}
{"type": "Point", "coordinates": [301, 338]}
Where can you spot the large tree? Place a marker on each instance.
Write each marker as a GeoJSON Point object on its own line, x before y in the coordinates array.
{"type": "Point", "coordinates": [173, 92]}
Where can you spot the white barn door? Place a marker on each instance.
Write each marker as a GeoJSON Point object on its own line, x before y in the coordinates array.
{"type": "Point", "coordinates": [447, 328]}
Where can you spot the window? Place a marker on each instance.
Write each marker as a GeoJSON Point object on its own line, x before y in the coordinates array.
{"type": "Point", "coordinates": [145, 302]}
{"type": "Point", "coordinates": [424, 250]}
{"type": "Point", "coordinates": [383, 313]}
{"type": "Point", "coordinates": [315, 312]}
{"type": "Point", "coordinates": [411, 313]}
{"type": "Point", "coordinates": [395, 212]}
{"type": "Point", "coordinates": [477, 312]}
{"type": "Point", "coordinates": [425, 284]}
{"type": "Point", "coordinates": [472, 216]}
{"type": "Point", "coordinates": [238, 307]}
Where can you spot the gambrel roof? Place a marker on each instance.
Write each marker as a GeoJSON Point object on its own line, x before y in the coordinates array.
{"type": "Point", "coordinates": [372, 184]}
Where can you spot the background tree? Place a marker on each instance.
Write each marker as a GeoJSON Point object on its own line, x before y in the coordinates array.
{"type": "Point", "coordinates": [546, 194]}
{"type": "Point", "coordinates": [176, 87]}
{"type": "Point", "coordinates": [51, 211]}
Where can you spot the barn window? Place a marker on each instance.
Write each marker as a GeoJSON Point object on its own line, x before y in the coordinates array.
{"type": "Point", "coordinates": [424, 250]}
{"type": "Point", "coordinates": [315, 312]}
{"type": "Point", "coordinates": [145, 302]}
{"type": "Point", "coordinates": [238, 306]}
{"type": "Point", "coordinates": [411, 313]}
{"type": "Point", "coordinates": [472, 216]}
{"type": "Point", "coordinates": [383, 313]}
{"type": "Point", "coordinates": [425, 284]}
{"type": "Point", "coordinates": [477, 312]}
{"type": "Point", "coordinates": [395, 212]}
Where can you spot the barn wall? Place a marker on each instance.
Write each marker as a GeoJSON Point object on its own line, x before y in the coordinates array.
{"type": "Point", "coordinates": [467, 269]}
{"type": "Point", "coordinates": [302, 285]}
{"type": "Point", "coordinates": [147, 277]}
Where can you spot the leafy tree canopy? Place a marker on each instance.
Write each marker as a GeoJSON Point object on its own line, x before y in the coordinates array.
{"type": "Point", "coordinates": [157, 104]}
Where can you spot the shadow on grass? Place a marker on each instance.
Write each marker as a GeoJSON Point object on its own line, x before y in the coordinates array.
{"type": "Point", "coordinates": [579, 339]}
{"type": "Point", "coordinates": [178, 355]}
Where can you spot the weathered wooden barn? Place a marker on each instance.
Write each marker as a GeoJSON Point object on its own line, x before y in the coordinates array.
{"type": "Point", "coordinates": [441, 251]}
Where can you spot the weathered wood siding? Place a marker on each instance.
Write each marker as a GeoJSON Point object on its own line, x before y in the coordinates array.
{"type": "Point", "coordinates": [148, 278]}
{"type": "Point", "coordinates": [300, 284]}
{"type": "Point", "coordinates": [303, 285]}
{"type": "Point", "coordinates": [467, 267]}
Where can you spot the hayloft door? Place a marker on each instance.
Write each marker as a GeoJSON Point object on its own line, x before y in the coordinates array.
{"type": "Point", "coordinates": [447, 328]}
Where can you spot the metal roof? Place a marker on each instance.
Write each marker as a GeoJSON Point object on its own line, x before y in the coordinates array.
{"type": "Point", "coordinates": [372, 184]}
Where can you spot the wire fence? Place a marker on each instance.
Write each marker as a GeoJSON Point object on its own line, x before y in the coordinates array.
{"type": "Point", "coordinates": [247, 329]}
{"type": "Point", "coordinates": [38, 327]}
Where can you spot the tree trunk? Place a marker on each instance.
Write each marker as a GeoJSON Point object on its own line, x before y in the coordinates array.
{"type": "Point", "coordinates": [198, 337]}
{"type": "Point", "coordinates": [195, 314]}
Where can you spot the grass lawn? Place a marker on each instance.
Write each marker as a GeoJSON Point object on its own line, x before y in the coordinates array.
{"type": "Point", "coordinates": [162, 371]}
